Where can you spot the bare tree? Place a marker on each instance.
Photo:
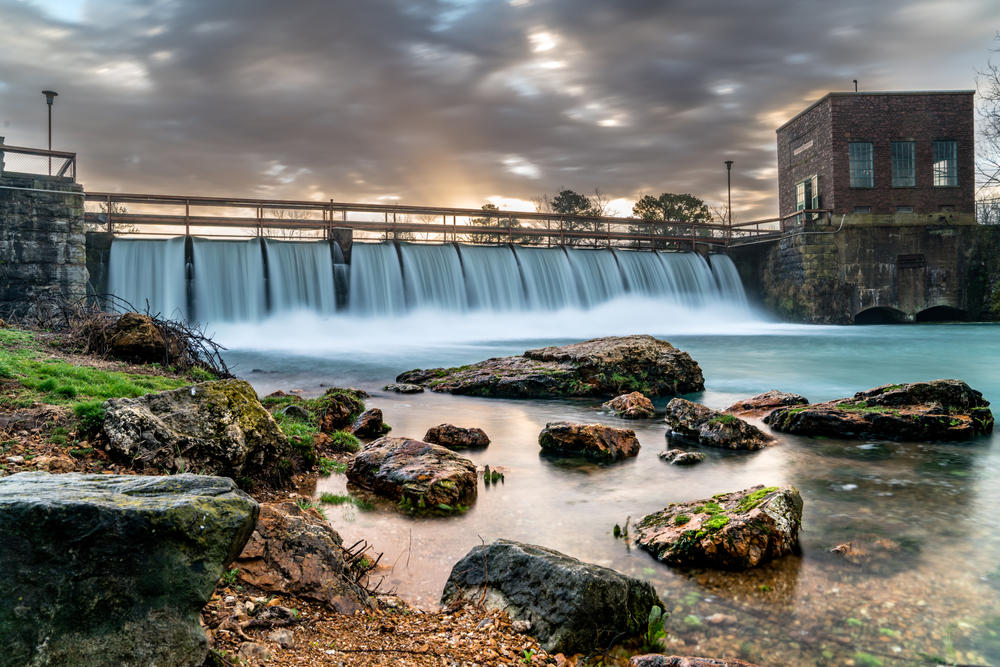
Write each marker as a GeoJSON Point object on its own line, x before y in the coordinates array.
{"type": "Point", "coordinates": [988, 146]}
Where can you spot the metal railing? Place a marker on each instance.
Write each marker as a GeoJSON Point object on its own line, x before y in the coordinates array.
{"type": "Point", "coordinates": [37, 163]}
{"type": "Point", "coordinates": [172, 215]}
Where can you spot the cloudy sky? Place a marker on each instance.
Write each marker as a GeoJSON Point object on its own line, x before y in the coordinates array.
{"type": "Point", "coordinates": [457, 102]}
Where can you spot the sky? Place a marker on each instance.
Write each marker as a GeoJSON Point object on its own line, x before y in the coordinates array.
{"type": "Point", "coordinates": [458, 102]}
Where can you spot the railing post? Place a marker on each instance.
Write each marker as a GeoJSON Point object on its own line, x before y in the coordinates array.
{"type": "Point", "coordinates": [510, 237]}
{"type": "Point", "coordinates": [187, 217]}
{"type": "Point", "coordinates": [454, 226]}
{"type": "Point", "coordinates": [652, 235]}
{"type": "Point", "coordinates": [111, 229]}
{"type": "Point", "coordinates": [562, 235]}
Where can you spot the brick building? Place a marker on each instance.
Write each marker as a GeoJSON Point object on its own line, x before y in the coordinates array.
{"type": "Point", "coordinates": [880, 154]}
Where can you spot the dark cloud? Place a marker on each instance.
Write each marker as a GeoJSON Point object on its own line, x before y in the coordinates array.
{"type": "Point", "coordinates": [452, 101]}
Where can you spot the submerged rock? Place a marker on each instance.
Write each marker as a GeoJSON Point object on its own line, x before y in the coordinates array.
{"type": "Point", "coordinates": [402, 388]}
{"type": "Point", "coordinates": [714, 429]}
{"type": "Point", "coordinates": [763, 403]}
{"type": "Point", "coordinates": [598, 367]}
{"type": "Point", "coordinates": [369, 424]}
{"type": "Point", "coordinates": [631, 406]}
{"type": "Point", "coordinates": [456, 437]}
{"type": "Point", "coordinates": [681, 458]}
{"type": "Point", "coordinates": [731, 531]}
{"type": "Point", "coordinates": [658, 660]}
{"type": "Point", "coordinates": [595, 441]}
{"type": "Point", "coordinates": [572, 606]}
{"type": "Point", "coordinates": [418, 472]}
{"type": "Point", "coordinates": [211, 428]}
{"type": "Point", "coordinates": [936, 410]}
{"type": "Point", "coordinates": [295, 552]}
{"type": "Point", "coordinates": [113, 570]}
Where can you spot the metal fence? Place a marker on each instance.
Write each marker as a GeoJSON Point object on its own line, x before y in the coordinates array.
{"type": "Point", "coordinates": [170, 215]}
{"type": "Point", "coordinates": [37, 163]}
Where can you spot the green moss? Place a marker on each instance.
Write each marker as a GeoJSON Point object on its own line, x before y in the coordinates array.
{"type": "Point", "coordinates": [754, 499]}
{"type": "Point", "coordinates": [715, 523]}
{"type": "Point", "coordinates": [681, 519]}
{"type": "Point", "coordinates": [708, 508]}
{"type": "Point", "coordinates": [722, 419]}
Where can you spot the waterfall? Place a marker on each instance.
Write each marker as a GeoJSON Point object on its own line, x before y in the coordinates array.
{"type": "Point", "coordinates": [492, 278]}
{"type": "Point", "coordinates": [228, 281]}
{"type": "Point", "coordinates": [376, 280]}
{"type": "Point", "coordinates": [153, 272]}
{"type": "Point", "coordinates": [432, 276]}
{"type": "Point", "coordinates": [241, 281]}
{"type": "Point", "coordinates": [548, 278]}
{"type": "Point", "coordinates": [300, 276]}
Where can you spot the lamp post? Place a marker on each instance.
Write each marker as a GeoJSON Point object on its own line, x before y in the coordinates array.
{"type": "Point", "coordinates": [729, 206]}
{"type": "Point", "coordinates": [50, 95]}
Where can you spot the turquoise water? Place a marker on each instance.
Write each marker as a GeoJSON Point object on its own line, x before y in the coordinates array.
{"type": "Point", "coordinates": [933, 504]}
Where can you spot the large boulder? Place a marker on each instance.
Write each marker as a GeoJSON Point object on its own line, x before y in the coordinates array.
{"type": "Point", "coordinates": [456, 437]}
{"type": "Point", "coordinates": [599, 367]}
{"type": "Point", "coordinates": [113, 570]}
{"type": "Point", "coordinates": [418, 472]}
{"type": "Point", "coordinates": [595, 441]}
{"type": "Point", "coordinates": [211, 428]}
{"type": "Point", "coordinates": [572, 606]}
{"type": "Point", "coordinates": [631, 406]}
{"type": "Point", "coordinates": [730, 531]}
{"type": "Point", "coordinates": [135, 337]}
{"type": "Point", "coordinates": [658, 660]}
{"type": "Point", "coordinates": [761, 404]}
{"type": "Point", "coordinates": [936, 410]}
{"type": "Point", "coordinates": [295, 552]}
{"type": "Point", "coordinates": [705, 426]}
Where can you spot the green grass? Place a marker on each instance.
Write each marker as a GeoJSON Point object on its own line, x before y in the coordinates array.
{"type": "Point", "coordinates": [328, 466]}
{"type": "Point", "coordinates": [57, 382]}
{"type": "Point", "coordinates": [346, 499]}
{"type": "Point", "coordinates": [345, 441]}
{"type": "Point", "coordinates": [722, 419]}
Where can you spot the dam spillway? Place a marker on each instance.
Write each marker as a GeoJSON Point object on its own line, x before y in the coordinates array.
{"type": "Point", "coordinates": [249, 280]}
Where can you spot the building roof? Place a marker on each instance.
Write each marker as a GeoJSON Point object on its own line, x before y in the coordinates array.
{"type": "Point", "coordinates": [872, 93]}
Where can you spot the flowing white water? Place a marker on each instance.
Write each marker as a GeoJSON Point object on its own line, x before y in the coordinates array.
{"type": "Point", "coordinates": [492, 278]}
{"type": "Point", "coordinates": [142, 271]}
{"type": "Point", "coordinates": [300, 276]}
{"type": "Point", "coordinates": [432, 276]}
{"type": "Point", "coordinates": [228, 280]}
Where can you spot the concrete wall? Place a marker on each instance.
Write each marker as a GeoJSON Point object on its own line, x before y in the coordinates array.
{"type": "Point", "coordinates": [42, 246]}
{"type": "Point", "coordinates": [902, 269]}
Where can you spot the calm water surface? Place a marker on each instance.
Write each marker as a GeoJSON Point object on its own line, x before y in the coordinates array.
{"type": "Point", "coordinates": [934, 505]}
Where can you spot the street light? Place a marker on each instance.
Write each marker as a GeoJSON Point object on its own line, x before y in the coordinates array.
{"type": "Point", "coordinates": [729, 191]}
{"type": "Point", "coordinates": [50, 95]}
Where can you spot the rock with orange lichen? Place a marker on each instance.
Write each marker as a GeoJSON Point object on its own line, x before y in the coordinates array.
{"type": "Point", "coordinates": [631, 406]}
{"type": "Point", "coordinates": [657, 660]}
{"type": "Point", "coordinates": [415, 471]}
{"type": "Point", "coordinates": [762, 404]}
{"type": "Point", "coordinates": [595, 441]}
{"type": "Point", "coordinates": [295, 552]}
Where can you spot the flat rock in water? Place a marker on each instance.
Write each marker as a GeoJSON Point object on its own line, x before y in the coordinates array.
{"type": "Point", "coordinates": [113, 570]}
{"type": "Point", "coordinates": [730, 531]}
{"type": "Point", "coordinates": [714, 429]}
{"type": "Point", "coordinates": [295, 552]}
{"type": "Point", "coordinates": [631, 406]}
{"type": "Point", "coordinates": [403, 388]}
{"type": "Point", "coordinates": [658, 660]}
{"type": "Point", "coordinates": [421, 473]}
{"type": "Point", "coordinates": [456, 437]}
{"type": "Point", "coordinates": [595, 441]}
{"type": "Point", "coordinates": [572, 606]}
{"type": "Point", "coordinates": [761, 404]}
{"type": "Point", "coordinates": [211, 428]}
{"type": "Point", "coordinates": [681, 458]}
{"type": "Point", "coordinates": [599, 367]}
{"type": "Point", "coordinates": [936, 410]}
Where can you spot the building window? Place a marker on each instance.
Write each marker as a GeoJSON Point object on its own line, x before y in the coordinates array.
{"type": "Point", "coordinates": [904, 172]}
{"type": "Point", "coordinates": [945, 163]}
{"type": "Point", "coordinates": [862, 167]}
{"type": "Point", "coordinates": [806, 197]}
{"type": "Point", "coordinates": [904, 209]}
{"type": "Point", "coordinates": [862, 209]}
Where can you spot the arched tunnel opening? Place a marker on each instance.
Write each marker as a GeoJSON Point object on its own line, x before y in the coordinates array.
{"type": "Point", "coordinates": [942, 314]}
{"type": "Point", "coordinates": [880, 315]}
